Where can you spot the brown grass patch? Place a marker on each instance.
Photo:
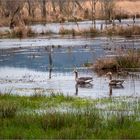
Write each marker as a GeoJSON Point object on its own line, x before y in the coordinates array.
{"type": "Point", "coordinates": [128, 61]}
{"type": "Point", "coordinates": [107, 63]}
{"type": "Point", "coordinates": [123, 31]}
{"type": "Point", "coordinates": [21, 32]}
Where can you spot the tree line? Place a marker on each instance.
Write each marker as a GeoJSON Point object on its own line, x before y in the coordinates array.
{"type": "Point", "coordinates": [22, 12]}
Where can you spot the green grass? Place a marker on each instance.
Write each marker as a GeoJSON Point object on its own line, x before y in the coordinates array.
{"type": "Point", "coordinates": [66, 117]}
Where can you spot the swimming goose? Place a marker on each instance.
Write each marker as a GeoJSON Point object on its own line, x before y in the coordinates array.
{"type": "Point", "coordinates": [82, 80]}
{"type": "Point", "coordinates": [114, 82]}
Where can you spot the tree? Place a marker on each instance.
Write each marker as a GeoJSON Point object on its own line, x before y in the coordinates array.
{"type": "Point", "coordinates": [93, 11]}
{"type": "Point", "coordinates": [108, 7]}
{"type": "Point", "coordinates": [13, 7]}
{"type": "Point", "coordinates": [31, 5]}
{"type": "Point", "coordinates": [43, 8]}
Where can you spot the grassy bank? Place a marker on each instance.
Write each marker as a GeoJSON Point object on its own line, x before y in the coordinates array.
{"type": "Point", "coordinates": [59, 116]}
{"type": "Point", "coordinates": [130, 61]}
{"type": "Point", "coordinates": [22, 32]}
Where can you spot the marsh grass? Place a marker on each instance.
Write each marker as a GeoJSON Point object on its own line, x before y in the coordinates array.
{"type": "Point", "coordinates": [131, 60]}
{"type": "Point", "coordinates": [111, 31]}
{"type": "Point", "coordinates": [84, 120]}
{"type": "Point", "coordinates": [122, 31]}
{"type": "Point", "coordinates": [8, 109]}
{"type": "Point", "coordinates": [85, 32]}
{"type": "Point", "coordinates": [64, 31]}
{"type": "Point", "coordinates": [90, 32]}
{"type": "Point", "coordinates": [21, 32]}
{"type": "Point", "coordinates": [106, 64]}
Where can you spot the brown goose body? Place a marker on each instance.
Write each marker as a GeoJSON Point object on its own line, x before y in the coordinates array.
{"type": "Point", "coordinates": [114, 82]}
{"type": "Point", "coordinates": [82, 80]}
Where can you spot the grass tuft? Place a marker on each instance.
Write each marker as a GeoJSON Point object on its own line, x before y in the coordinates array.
{"type": "Point", "coordinates": [8, 109]}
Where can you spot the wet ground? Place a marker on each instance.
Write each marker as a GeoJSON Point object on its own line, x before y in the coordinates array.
{"type": "Point", "coordinates": [56, 27]}
{"type": "Point", "coordinates": [26, 65]}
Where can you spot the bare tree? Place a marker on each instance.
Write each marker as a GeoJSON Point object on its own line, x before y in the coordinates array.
{"type": "Point", "coordinates": [13, 7]}
{"type": "Point", "coordinates": [61, 4]}
{"type": "Point", "coordinates": [31, 7]}
{"type": "Point", "coordinates": [108, 7]}
{"type": "Point", "coordinates": [43, 8]}
{"type": "Point", "coordinates": [93, 11]}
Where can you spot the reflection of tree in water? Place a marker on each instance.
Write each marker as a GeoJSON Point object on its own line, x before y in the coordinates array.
{"type": "Point", "coordinates": [49, 50]}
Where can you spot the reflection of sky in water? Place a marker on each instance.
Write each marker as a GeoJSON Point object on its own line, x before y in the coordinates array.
{"type": "Point", "coordinates": [24, 81]}
{"type": "Point", "coordinates": [55, 27]}
{"type": "Point", "coordinates": [66, 53]}
{"type": "Point", "coordinates": [24, 67]}
{"type": "Point", "coordinates": [76, 53]}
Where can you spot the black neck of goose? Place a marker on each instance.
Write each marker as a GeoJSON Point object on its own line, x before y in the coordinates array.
{"type": "Point", "coordinates": [76, 75]}
{"type": "Point", "coordinates": [110, 76]}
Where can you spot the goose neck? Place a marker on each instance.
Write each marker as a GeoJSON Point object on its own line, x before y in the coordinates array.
{"type": "Point", "coordinates": [76, 75]}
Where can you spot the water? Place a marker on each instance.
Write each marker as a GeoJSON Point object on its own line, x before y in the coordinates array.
{"type": "Point", "coordinates": [55, 27]}
{"type": "Point", "coordinates": [100, 24]}
{"type": "Point", "coordinates": [27, 64]}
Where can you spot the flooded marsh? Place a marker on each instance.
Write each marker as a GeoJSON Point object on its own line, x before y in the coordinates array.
{"type": "Point", "coordinates": [46, 64]}
{"type": "Point", "coordinates": [59, 116]}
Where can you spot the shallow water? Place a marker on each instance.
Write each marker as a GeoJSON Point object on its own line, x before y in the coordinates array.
{"type": "Point", "coordinates": [81, 25]}
{"type": "Point", "coordinates": [100, 24]}
{"type": "Point", "coordinates": [27, 64]}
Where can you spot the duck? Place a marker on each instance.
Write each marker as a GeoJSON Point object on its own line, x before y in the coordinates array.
{"type": "Point", "coordinates": [114, 82]}
{"type": "Point", "coordinates": [82, 80]}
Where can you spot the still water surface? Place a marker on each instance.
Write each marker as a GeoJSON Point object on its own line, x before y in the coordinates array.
{"type": "Point", "coordinates": [26, 65]}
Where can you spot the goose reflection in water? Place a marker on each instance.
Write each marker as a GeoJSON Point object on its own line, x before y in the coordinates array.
{"type": "Point", "coordinates": [111, 87]}
{"type": "Point", "coordinates": [77, 86]}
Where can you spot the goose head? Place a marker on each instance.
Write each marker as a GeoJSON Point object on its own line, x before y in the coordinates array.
{"type": "Point", "coordinates": [76, 74]}
{"type": "Point", "coordinates": [110, 75]}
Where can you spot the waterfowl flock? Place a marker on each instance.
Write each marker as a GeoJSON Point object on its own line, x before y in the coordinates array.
{"type": "Point", "coordinates": [88, 80]}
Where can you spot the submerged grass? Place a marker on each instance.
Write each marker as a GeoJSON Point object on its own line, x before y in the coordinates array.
{"type": "Point", "coordinates": [83, 121]}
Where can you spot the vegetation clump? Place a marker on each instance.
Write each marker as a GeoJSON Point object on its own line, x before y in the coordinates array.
{"type": "Point", "coordinates": [131, 60]}
{"type": "Point", "coordinates": [106, 64]}
{"type": "Point", "coordinates": [21, 32]}
{"type": "Point", "coordinates": [122, 31]}
{"type": "Point", "coordinates": [8, 109]}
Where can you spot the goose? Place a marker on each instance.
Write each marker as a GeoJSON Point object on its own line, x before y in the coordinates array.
{"type": "Point", "coordinates": [114, 82]}
{"type": "Point", "coordinates": [82, 80]}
